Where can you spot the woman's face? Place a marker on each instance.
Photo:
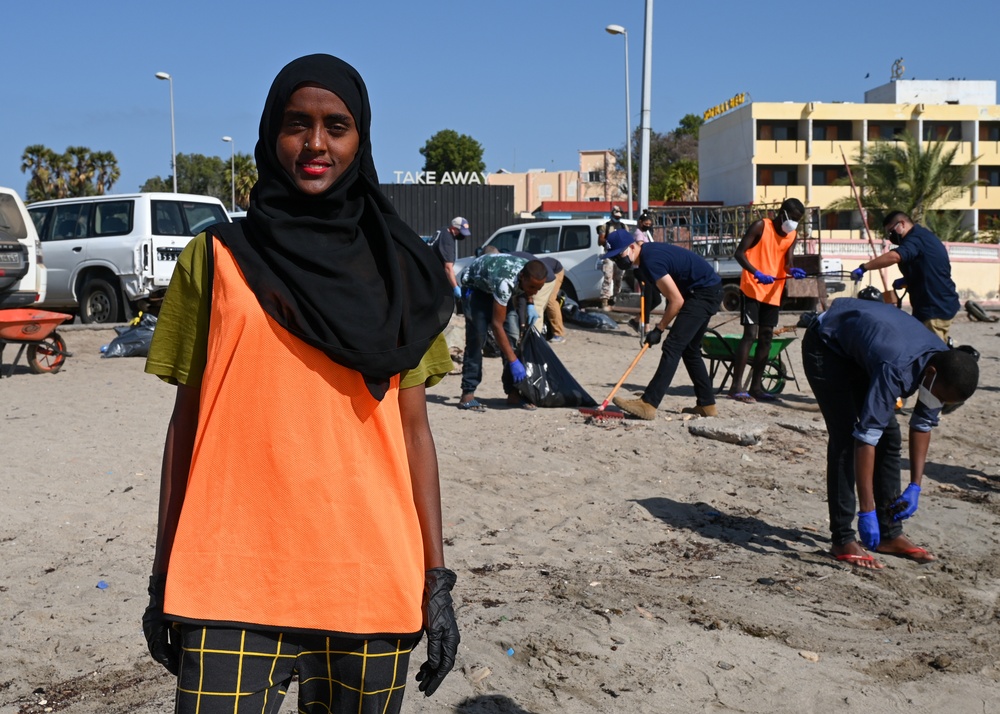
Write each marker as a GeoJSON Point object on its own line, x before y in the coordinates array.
{"type": "Point", "coordinates": [318, 139]}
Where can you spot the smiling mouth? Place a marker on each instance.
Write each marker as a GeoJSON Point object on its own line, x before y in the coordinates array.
{"type": "Point", "coordinates": [314, 168]}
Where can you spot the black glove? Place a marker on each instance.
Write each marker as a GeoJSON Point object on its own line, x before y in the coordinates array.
{"type": "Point", "coordinates": [441, 627]}
{"type": "Point", "coordinates": [163, 641]}
{"type": "Point", "coordinates": [653, 336]}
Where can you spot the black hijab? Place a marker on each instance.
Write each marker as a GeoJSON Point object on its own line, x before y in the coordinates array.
{"type": "Point", "coordinates": [341, 270]}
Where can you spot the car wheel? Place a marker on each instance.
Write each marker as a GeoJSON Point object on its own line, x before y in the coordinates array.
{"type": "Point", "coordinates": [567, 287]}
{"type": "Point", "coordinates": [731, 298]}
{"type": "Point", "coordinates": [99, 302]}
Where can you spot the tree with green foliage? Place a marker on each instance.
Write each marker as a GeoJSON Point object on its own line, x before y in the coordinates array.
{"type": "Point", "coordinates": [450, 151]}
{"type": "Point", "coordinates": [673, 161]}
{"type": "Point", "coordinates": [77, 172]}
{"type": "Point", "coordinates": [209, 176]}
{"type": "Point", "coordinates": [907, 176]}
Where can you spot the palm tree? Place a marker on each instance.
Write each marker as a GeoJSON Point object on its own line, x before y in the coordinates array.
{"type": "Point", "coordinates": [38, 160]}
{"type": "Point", "coordinates": [106, 171]}
{"type": "Point", "coordinates": [905, 176]}
{"type": "Point", "coordinates": [246, 177]}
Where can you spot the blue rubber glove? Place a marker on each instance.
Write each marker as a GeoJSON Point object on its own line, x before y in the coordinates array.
{"type": "Point", "coordinates": [797, 273]}
{"type": "Point", "coordinates": [532, 313]}
{"type": "Point", "coordinates": [517, 371]}
{"type": "Point", "coordinates": [857, 273]}
{"type": "Point", "coordinates": [458, 292]}
{"type": "Point", "coordinates": [763, 278]}
{"type": "Point", "coordinates": [899, 283]}
{"type": "Point", "coordinates": [868, 529]}
{"type": "Point", "coordinates": [906, 505]}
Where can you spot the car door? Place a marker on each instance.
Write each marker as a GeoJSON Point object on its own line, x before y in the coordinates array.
{"type": "Point", "coordinates": [579, 254]}
{"type": "Point", "coordinates": [63, 232]}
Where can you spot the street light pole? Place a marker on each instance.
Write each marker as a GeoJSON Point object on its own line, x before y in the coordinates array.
{"type": "Point", "coordinates": [232, 167]}
{"type": "Point", "coordinates": [619, 30]}
{"type": "Point", "coordinates": [173, 141]}
{"type": "Point", "coordinates": [645, 130]}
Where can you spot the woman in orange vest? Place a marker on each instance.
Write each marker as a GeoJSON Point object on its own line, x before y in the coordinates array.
{"type": "Point", "coordinates": [765, 254]}
{"type": "Point", "coordinates": [300, 516]}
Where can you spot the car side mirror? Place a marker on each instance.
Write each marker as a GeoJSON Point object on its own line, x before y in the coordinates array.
{"type": "Point", "coordinates": [479, 251]}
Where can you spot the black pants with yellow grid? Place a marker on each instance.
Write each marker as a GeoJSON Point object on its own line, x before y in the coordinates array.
{"type": "Point", "coordinates": [248, 671]}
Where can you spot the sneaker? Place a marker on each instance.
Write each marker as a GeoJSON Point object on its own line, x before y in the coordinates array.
{"type": "Point", "coordinates": [708, 410]}
{"type": "Point", "coordinates": [637, 408]}
{"type": "Point", "coordinates": [634, 324]}
{"type": "Point", "coordinates": [557, 339]}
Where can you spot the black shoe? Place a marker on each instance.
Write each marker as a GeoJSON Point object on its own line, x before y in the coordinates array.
{"type": "Point", "coordinates": [634, 324]}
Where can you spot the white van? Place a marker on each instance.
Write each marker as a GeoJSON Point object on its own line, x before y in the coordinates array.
{"type": "Point", "coordinates": [109, 256]}
{"type": "Point", "coordinates": [573, 242]}
{"type": "Point", "coordinates": [22, 272]}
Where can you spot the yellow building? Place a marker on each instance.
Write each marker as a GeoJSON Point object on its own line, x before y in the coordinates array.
{"type": "Point", "coordinates": [599, 179]}
{"type": "Point", "coordinates": [764, 152]}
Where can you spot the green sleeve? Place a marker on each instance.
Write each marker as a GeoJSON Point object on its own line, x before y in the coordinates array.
{"type": "Point", "coordinates": [434, 365]}
{"type": "Point", "coordinates": [177, 352]}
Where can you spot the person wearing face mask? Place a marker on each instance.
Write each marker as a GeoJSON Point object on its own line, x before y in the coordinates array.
{"type": "Point", "coordinates": [693, 291]}
{"type": "Point", "coordinates": [611, 285]}
{"type": "Point", "coordinates": [650, 295]}
{"type": "Point", "coordinates": [923, 261]}
{"type": "Point", "coordinates": [858, 357]}
{"type": "Point", "coordinates": [765, 254]}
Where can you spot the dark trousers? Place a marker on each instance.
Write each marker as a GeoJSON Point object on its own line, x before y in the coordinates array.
{"type": "Point", "coordinates": [840, 386]}
{"type": "Point", "coordinates": [478, 316]}
{"type": "Point", "coordinates": [683, 342]}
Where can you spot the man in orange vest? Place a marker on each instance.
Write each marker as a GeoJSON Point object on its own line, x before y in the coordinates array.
{"type": "Point", "coordinates": [765, 254]}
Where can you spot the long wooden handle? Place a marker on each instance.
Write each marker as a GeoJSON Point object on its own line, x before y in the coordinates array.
{"type": "Point", "coordinates": [864, 220]}
{"type": "Point", "coordinates": [624, 376]}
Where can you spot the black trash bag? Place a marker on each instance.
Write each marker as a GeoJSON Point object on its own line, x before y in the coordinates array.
{"type": "Point", "coordinates": [569, 306]}
{"type": "Point", "coordinates": [806, 319]}
{"type": "Point", "coordinates": [592, 320]}
{"type": "Point", "coordinates": [132, 341]}
{"type": "Point", "coordinates": [549, 383]}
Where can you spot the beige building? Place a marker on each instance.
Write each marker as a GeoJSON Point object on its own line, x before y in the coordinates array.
{"type": "Point", "coordinates": [764, 152]}
{"type": "Point", "coordinates": [599, 179]}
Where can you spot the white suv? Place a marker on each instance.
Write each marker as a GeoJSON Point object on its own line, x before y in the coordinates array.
{"type": "Point", "coordinates": [573, 242]}
{"type": "Point", "coordinates": [109, 256]}
{"type": "Point", "coordinates": [22, 273]}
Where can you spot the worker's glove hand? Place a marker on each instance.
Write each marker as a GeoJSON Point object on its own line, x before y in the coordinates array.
{"type": "Point", "coordinates": [532, 313]}
{"type": "Point", "coordinates": [517, 371]}
{"type": "Point", "coordinates": [163, 641]}
{"type": "Point", "coordinates": [459, 308]}
{"type": "Point", "coordinates": [797, 273]}
{"type": "Point", "coordinates": [441, 628]}
{"type": "Point", "coordinates": [654, 336]}
{"type": "Point", "coordinates": [763, 278]}
{"type": "Point", "coordinates": [857, 273]}
{"type": "Point", "coordinates": [906, 505]}
{"type": "Point", "coordinates": [868, 529]}
{"type": "Point", "coordinates": [899, 283]}
{"type": "Point", "coordinates": [458, 292]}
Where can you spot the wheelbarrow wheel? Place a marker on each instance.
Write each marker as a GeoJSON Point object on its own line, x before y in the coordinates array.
{"type": "Point", "coordinates": [48, 355]}
{"type": "Point", "coordinates": [774, 377]}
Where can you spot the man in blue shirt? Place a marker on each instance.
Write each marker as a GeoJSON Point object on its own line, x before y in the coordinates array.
{"type": "Point", "coordinates": [923, 261]}
{"type": "Point", "coordinates": [693, 291]}
{"type": "Point", "coordinates": [859, 356]}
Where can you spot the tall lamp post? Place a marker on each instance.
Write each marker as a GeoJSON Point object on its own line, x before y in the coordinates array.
{"type": "Point", "coordinates": [619, 30]}
{"type": "Point", "coordinates": [232, 167]}
{"type": "Point", "coordinates": [173, 141]}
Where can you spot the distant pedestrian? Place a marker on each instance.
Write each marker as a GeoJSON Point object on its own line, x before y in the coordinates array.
{"type": "Point", "coordinates": [650, 294]}
{"type": "Point", "coordinates": [611, 285]}
{"type": "Point", "coordinates": [443, 245]}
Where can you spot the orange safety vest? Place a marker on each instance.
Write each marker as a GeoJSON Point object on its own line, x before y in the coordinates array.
{"type": "Point", "coordinates": [768, 256]}
{"type": "Point", "coordinates": [299, 510]}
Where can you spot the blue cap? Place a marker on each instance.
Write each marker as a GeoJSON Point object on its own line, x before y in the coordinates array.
{"type": "Point", "coordinates": [616, 242]}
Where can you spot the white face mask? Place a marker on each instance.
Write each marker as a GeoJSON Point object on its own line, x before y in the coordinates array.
{"type": "Point", "coordinates": [789, 226]}
{"type": "Point", "coordinates": [926, 398]}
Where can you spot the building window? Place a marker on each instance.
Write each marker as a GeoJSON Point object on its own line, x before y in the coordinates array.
{"type": "Point", "coordinates": [832, 131]}
{"type": "Point", "coordinates": [777, 176]}
{"type": "Point", "coordinates": [593, 177]}
{"type": "Point", "coordinates": [827, 175]}
{"type": "Point", "coordinates": [840, 220]}
{"type": "Point", "coordinates": [885, 131]}
{"type": "Point", "coordinates": [778, 130]}
{"type": "Point", "coordinates": [989, 131]}
{"type": "Point", "coordinates": [942, 131]}
{"type": "Point", "coordinates": [990, 175]}
{"type": "Point", "coordinates": [989, 220]}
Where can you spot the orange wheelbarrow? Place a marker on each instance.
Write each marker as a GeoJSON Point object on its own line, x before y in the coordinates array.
{"type": "Point", "coordinates": [35, 332]}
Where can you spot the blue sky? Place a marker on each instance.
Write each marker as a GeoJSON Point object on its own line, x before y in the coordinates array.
{"type": "Point", "coordinates": [532, 80]}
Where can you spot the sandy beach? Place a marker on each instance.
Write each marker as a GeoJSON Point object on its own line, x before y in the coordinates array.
{"type": "Point", "coordinates": [612, 566]}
